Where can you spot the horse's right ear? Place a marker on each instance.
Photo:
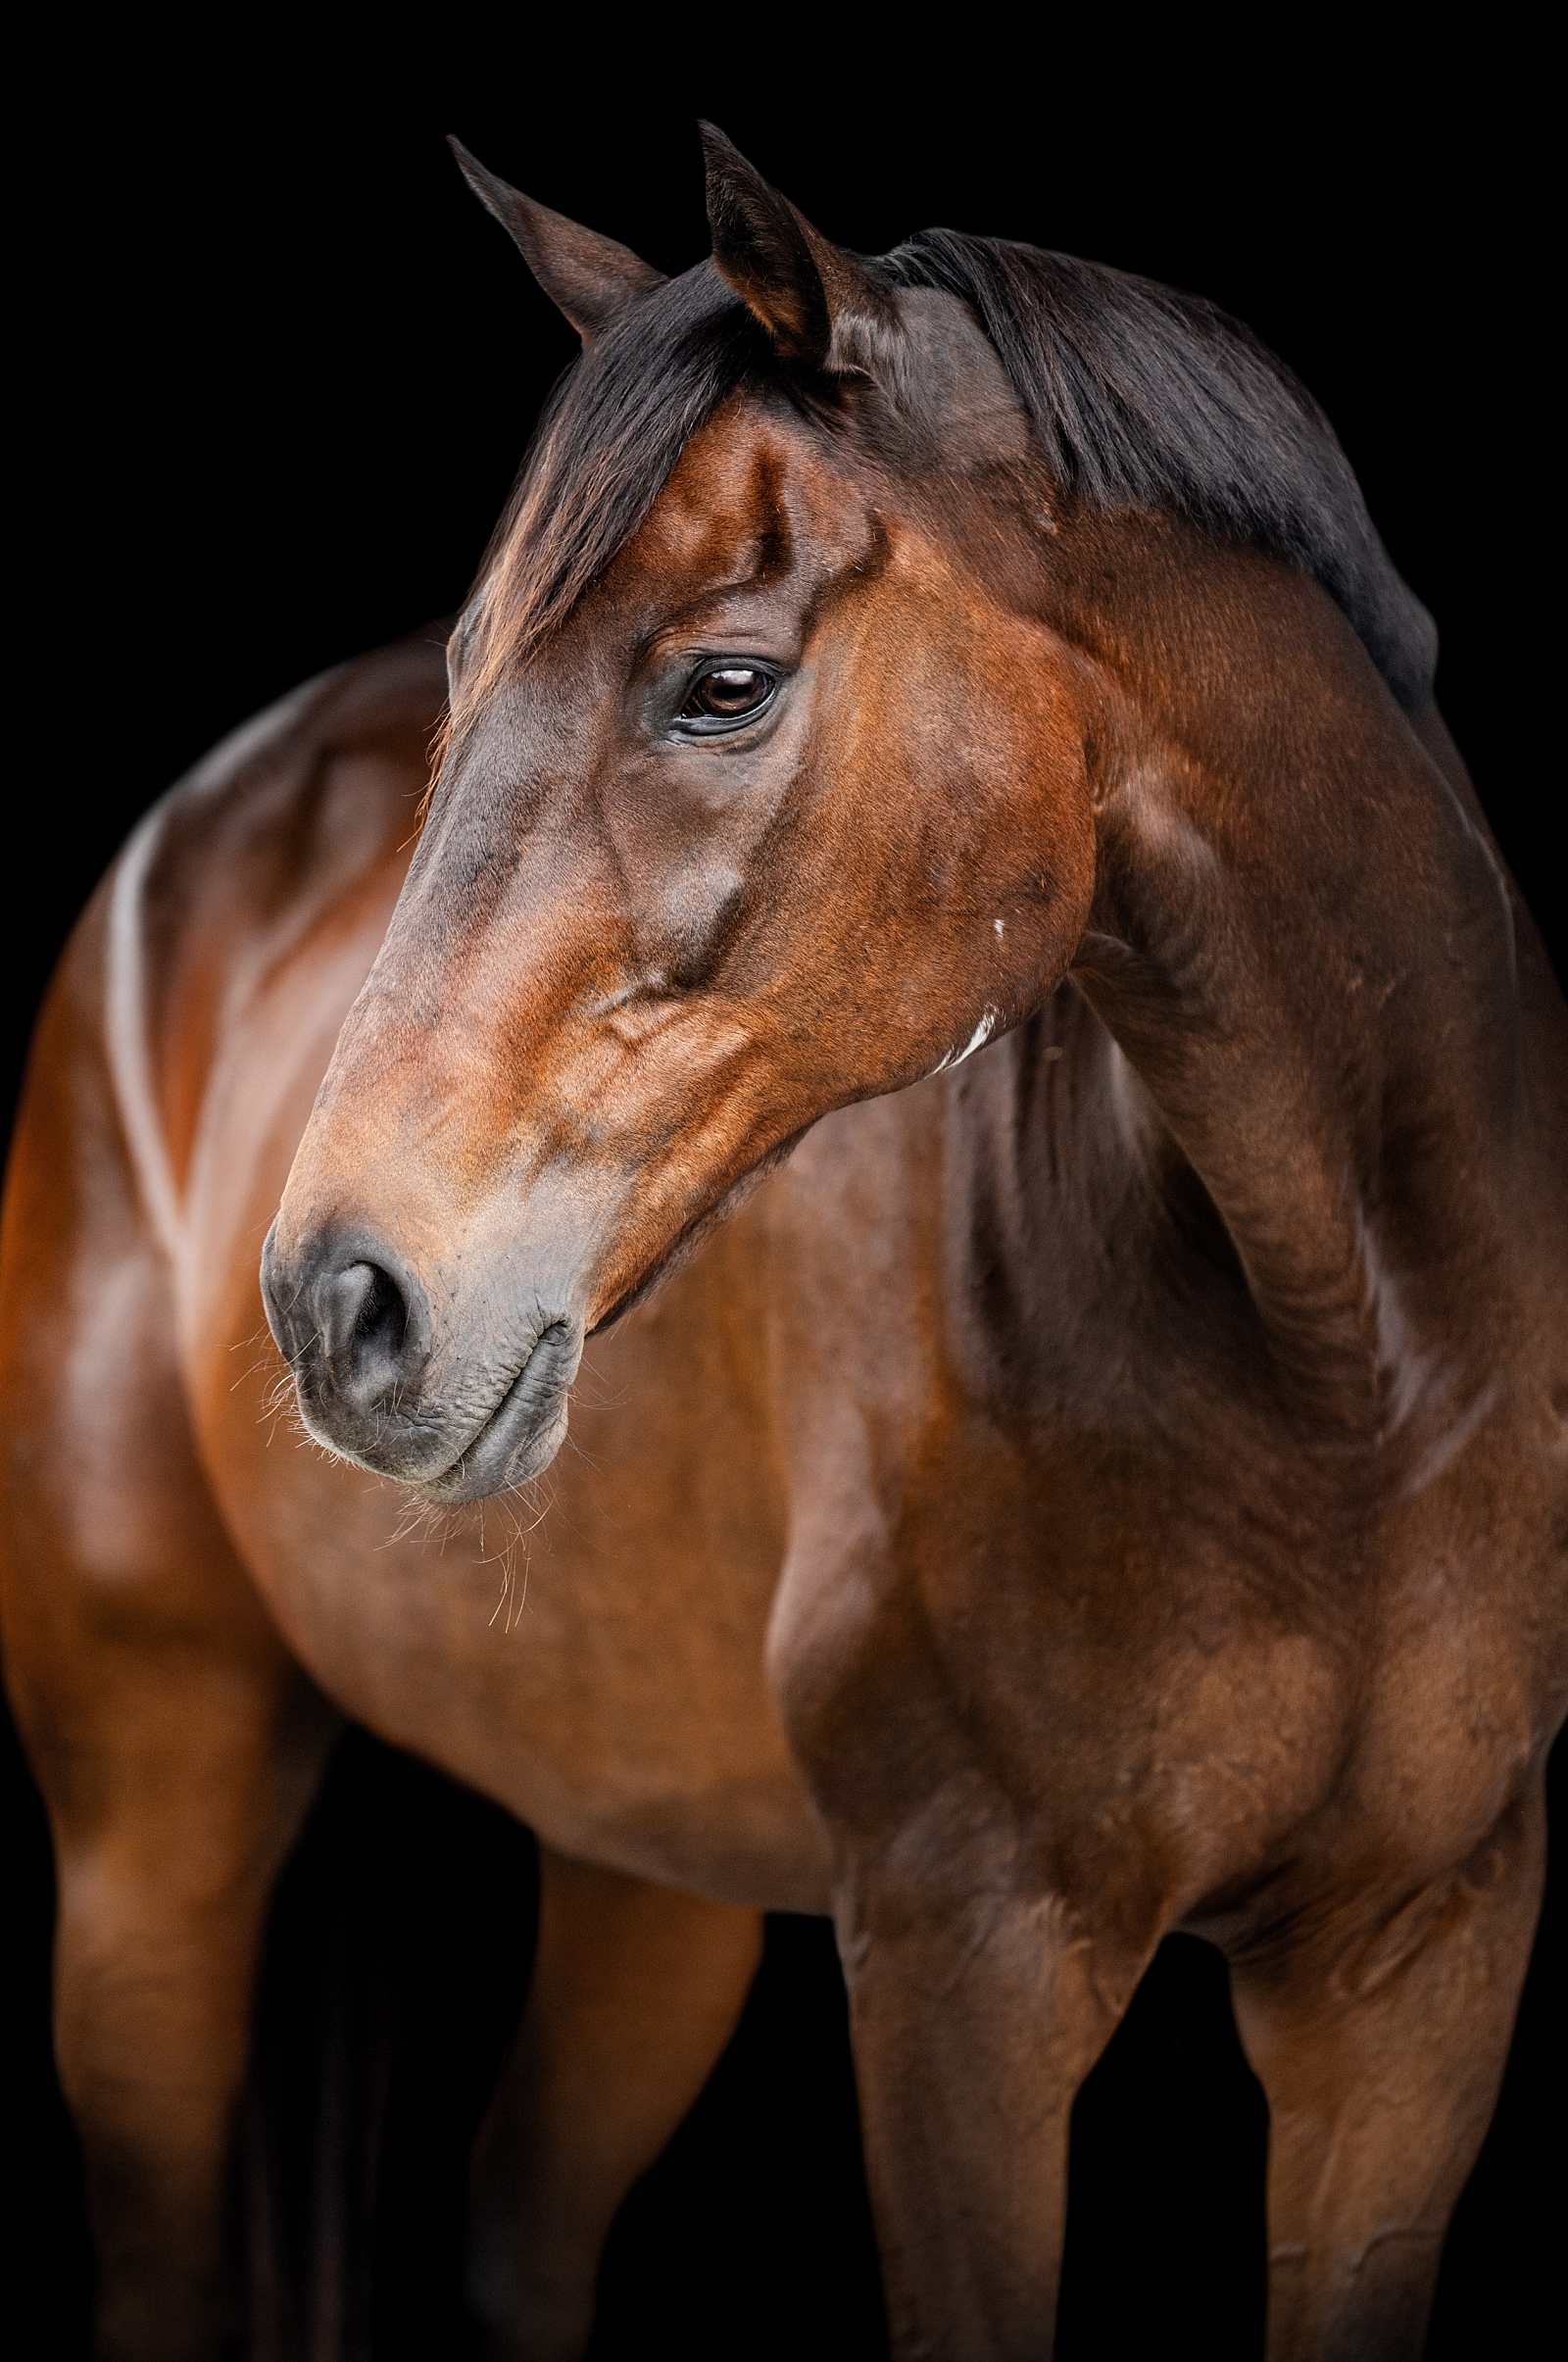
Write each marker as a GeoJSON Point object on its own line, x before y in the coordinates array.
{"type": "Point", "coordinates": [818, 305]}
{"type": "Point", "coordinates": [589, 277]}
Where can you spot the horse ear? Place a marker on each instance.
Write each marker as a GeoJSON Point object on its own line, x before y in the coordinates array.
{"type": "Point", "coordinates": [818, 304]}
{"type": "Point", "coordinates": [588, 278]}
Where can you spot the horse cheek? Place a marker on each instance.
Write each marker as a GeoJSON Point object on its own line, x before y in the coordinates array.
{"type": "Point", "coordinates": [1046, 879]}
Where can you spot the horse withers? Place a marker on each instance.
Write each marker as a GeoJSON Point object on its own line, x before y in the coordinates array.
{"type": "Point", "coordinates": [940, 771]}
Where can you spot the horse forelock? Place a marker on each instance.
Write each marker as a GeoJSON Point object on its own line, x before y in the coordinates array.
{"type": "Point", "coordinates": [606, 440]}
{"type": "Point", "coordinates": [1139, 395]}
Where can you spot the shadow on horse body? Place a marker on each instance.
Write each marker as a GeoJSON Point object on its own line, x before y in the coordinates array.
{"type": "Point", "coordinates": [937, 744]}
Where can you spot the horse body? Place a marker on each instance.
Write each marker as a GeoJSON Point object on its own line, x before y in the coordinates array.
{"type": "Point", "coordinates": [1108, 1478]}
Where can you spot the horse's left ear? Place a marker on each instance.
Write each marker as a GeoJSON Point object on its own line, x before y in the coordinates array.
{"type": "Point", "coordinates": [818, 304]}
{"type": "Point", "coordinates": [587, 276]}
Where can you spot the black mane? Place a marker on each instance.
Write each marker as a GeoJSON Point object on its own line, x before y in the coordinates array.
{"type": "Point", "coordinates": [1140, 397]}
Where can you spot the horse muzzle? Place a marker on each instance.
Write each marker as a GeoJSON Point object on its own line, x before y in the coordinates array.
{"type": "Point", "coordinates": [374, 1386]}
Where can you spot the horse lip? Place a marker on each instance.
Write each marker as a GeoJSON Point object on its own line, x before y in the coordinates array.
{"type": "Point", "coordinates": [523, 1432]}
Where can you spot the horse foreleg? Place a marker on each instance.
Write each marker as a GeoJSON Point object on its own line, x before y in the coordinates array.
{"type": "Point", "coordinates": [974, 2023]}
{"type": "Point", "coordinates": [176, 1762]}
{"type": "Point", "coordinates": [164, 1878]}
{"type": "Point", "coordinates": [1381, 2043]}
{"type": "Point", "coordinates": [636, 1989]}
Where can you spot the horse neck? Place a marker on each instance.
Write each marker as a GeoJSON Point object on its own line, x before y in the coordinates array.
{"type": "Point", "coordinates": [1301, 945]}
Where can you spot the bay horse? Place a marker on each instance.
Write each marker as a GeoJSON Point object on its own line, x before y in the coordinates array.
{"type": "Point", "coordinates": [945, 862]}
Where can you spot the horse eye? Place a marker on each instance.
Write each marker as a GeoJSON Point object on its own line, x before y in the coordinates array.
{"type": "Point", "coordinates": [727, 693]}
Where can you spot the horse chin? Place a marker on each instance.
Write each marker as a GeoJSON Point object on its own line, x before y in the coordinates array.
{"type": "Point", "coordinates": [497, 1463]}
{"type": "Point", "coordinates": [524, 1433]}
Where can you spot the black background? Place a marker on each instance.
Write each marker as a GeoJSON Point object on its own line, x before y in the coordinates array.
{"type": "Point", "coordinates": [278, 371]}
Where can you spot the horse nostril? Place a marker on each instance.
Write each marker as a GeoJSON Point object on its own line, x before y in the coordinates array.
{"type": "Point", "coordinates": [363, 1321]}
{"type": "Point", "coordinates": [355, 1328]}
{"type": "Point", "coordinates": [382, 1322]}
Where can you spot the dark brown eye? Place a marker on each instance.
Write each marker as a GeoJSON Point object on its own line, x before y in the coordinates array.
{"type": "Point", "coordinates": [728, 693]}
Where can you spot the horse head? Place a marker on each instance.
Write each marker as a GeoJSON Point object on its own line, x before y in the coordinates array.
{"type": "Point", "coordinates": [763, 793]}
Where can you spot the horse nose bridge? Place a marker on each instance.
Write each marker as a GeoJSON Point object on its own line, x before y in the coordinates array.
{"type": "Point", "coordinates": [406, 1103]}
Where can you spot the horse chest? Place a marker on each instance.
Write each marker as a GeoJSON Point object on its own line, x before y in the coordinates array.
{"type": "Point", "coordinates": [1040, 1530]}
{"type": "Point", "coordinates": [589, 1654]}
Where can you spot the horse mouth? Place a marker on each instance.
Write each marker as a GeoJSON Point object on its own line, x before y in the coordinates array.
{"type": "Point", "coordinates": [522, 1433]}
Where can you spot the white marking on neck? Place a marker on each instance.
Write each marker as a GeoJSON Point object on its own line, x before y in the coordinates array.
{"type": "Point", "coordinates": [977, 1041]}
